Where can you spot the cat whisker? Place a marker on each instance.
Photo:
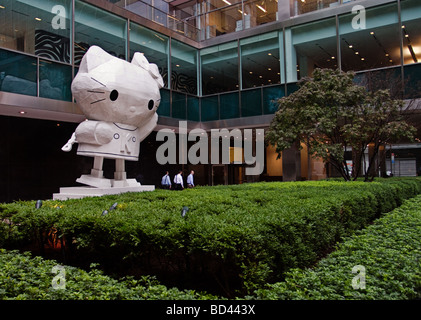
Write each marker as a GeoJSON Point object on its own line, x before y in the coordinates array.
{"type": "Point", "coordinates": [97, 101]}
{"type": "Point", "coordinates": [95, 91]}
{"type": "Point", "coordinates": [99, 82]}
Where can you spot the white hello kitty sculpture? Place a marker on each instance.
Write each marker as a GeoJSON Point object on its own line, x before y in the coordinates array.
{"type": "Point", "coordinates": [120, 100]}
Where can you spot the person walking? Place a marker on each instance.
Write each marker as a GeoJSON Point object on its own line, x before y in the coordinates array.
{"type": "Point", "coordinates": [166, 181]}
{"type": "Point", "coordinates": [178, 181]}
{"type": "Point", "coordinates": [190, 180]}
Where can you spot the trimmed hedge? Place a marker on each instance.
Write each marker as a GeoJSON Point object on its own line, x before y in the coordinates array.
{"type": "Point", "coordinates": [23, 277]}
{"type": "Point", "coordinates": [390, 252]}
{"type": "Point", "coordinates": [236, 238]}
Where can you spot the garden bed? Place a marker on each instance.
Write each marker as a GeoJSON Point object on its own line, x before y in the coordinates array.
{"type": "Point", "coordinates": [232, 240]}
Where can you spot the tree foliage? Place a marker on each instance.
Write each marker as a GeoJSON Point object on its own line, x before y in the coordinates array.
{"type": "Point", "coordinates": [329, 113]}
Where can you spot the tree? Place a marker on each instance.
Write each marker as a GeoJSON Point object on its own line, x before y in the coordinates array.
{"type": "Point", "coordinates": [329, 113]}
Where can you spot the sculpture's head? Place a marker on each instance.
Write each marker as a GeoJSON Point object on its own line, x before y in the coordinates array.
{"type": "Point", "coordinates": [110, 89]}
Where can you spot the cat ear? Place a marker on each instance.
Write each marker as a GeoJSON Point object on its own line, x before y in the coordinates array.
{"type": "Point", "coordinates": [94, 57]}
{"type": "Point", "coordinates": [154, 72]}
{"type": "Point", "coordinates": [140, 60]}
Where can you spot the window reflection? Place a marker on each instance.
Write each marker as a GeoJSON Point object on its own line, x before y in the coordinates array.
{"type": "Point", "coordinates": [220, 68]}
{"type": "Point", "coordinates": [315, 47]}
{"type": "Point", "coordinates": [183, 67]}
{"type": "Point", "coordinates": [153, 45]}
{"type": "Point", "coordinates": [376, 46]}
{"type": "Point", "coordinates": [260, 60]}
{"type": "Point", "coordinates": [43, 30]}
{"type": "Point", "coordinates": [94, 26]}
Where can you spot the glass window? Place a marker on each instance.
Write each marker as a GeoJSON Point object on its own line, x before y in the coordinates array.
{"type": "Point", "coordinates": [183, 67]}
{"type": "Point", "coordinates": [225, 20]}
{"type": "Point", "coordinates": [259, 12]}
{"type": "Point", "coordinates": [260, 60]}
{"type": "Point", "coordinates": [94, 26]}
{"type": "Point", "coordinates": [251, 103]}
{"type": "Point", "coordinates": [209, 108]}
{"type": "Point", "coordinates": [179, 105]}
{"type": "Point", "coordinates": [373, 45]}
{"type": "Point", "coordinates": [304, 6]}
{"type": "Point", "coordinates": [270, 98]}
{"type": "Point", "coordinates": [315, 47]}
{"type": "Point", "coordinates": [164, 106]}
{"type": "Point", "coordinates": [55, 80]}
{"type": "Point", "coordinates": [229, 105]}
{"type": "Point", "coordinates": [18, 73]}
{"type": "Point", "coordinates": [411, 22]}
{"type": "Point", "coordinates": [154, 45]}
{"type": "Point", "coordinates": [193, 113]}
{"type": "Point", "coordinates": [36, 27]}
{"type": "Point", "coordinates": [220, 68]}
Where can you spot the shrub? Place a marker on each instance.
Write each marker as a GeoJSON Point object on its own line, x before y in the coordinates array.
{"type": "Point", "coordinates": [389, 250]}
{"type": "Point", "coordinates": [23, 277]}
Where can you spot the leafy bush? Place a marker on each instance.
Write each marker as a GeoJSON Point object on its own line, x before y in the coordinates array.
{"type": "Point", "coordinates": [236, 238]}
{"type": "Point", "coordinates": [25, 278]}
{"type": "Point", "coordinates": [390, 252]}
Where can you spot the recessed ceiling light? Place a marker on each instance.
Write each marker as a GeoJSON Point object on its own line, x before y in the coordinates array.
{"type": "Point", "coordinates": [22, 112]}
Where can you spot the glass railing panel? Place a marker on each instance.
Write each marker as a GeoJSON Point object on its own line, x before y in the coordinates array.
{"type": "Point", "coordinates": [55, 80]}
{"type": "Point", "coordinates": [18, 73]}
{"type": "Point", "coordinates": [229, 105]}
{"type": "Point", "coordinates": [209, 108]}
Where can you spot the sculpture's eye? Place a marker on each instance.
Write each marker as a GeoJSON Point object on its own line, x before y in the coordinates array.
{"type": "Point", "coordinates": [150, 104]}
{"type": "Point", "coordinates": [114, 95]}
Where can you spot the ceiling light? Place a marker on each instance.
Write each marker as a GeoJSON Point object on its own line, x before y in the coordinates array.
{"type": "Point", "coordinates": [362, 59]}
{"type": "Point", "coordinates": [227, 2]}
{"type": "Point", "coordinates": [407, 35]}
{"type": "Point", "coordinates": [269, 69]}
{"type": "Point", "coordinates": [38, 19]}
{"type": "Point", "coordinates": [350, 46]}
{"type": "Point", "coordinates": [403, 27]}
{"type": "Point", "coordinates": [269, 54]}
{"type": "Point", "coordinates": [357, 52]}
{"type": "Point", "coordinates": [2, 7]}
{"type": "Point", "coordinates": [386, 54]}
{"type": "Point", "coordinates": [22, 112]}
{"type": "Point", "coordinates": [261, 8]}
{"type": "Point", "coordinates": [372, 33]}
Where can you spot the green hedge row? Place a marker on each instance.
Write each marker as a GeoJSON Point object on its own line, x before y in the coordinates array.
{"type": "Point", "coordinates": [386, 257]}
{"type": "Point", "coordinates": [23, 277]}
{"type": "Point", "coordinates": [233, 239]}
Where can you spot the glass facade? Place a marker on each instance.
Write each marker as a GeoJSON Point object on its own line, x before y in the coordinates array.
{"type": "Point", "coordinates": [219, 66]}
{"type": "Point", "coordinates": [155, 46]}
{"type": "Point", "coordinates": [233, 79]}
{"type": "Point", "coordinates": [94, 26]}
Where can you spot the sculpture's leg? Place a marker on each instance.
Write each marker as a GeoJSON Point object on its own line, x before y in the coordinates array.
{"type": "Point", "coordinates": [96, 178]}
{"type": "Point", "coordinates": [97, 171]}
{"type": "Point", "coordinates": [120, 171]}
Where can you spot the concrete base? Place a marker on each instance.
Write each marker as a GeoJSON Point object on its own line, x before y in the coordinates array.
{"type": "Point", "coordinates": [82, 192]}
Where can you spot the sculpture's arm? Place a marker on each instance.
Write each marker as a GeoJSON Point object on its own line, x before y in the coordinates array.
{"type": "Point", "coordinates": [68, 146]}
{"type": "Point", "coordinates": [91, 132]}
